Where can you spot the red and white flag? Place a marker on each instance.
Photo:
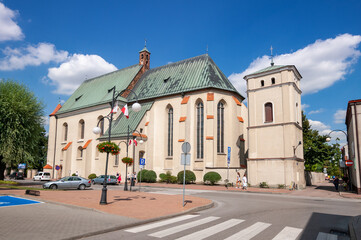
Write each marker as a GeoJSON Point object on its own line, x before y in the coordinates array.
{"type": "Point", "coordinates": [125, 110]}
{"type": "Point", "coordinates": [115, 109]}
{"type": "Point", "coordinates": [134, 142]}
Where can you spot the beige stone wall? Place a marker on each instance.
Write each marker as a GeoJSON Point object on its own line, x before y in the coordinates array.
{"type": "Point", "coordinates": [272, 157]}
{"type": "Point", "coordinates": [154, 126]}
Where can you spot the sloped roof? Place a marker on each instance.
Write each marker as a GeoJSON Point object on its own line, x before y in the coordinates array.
{"type": "Point", "coordinates": [55, 110]}
{"type": "Point", "coordinates": [268, 69]}
{"type": "Point", "coordinates": [120, 125]}
{"type": "Point", "coordinates": [274, 68]}
{"type": "Point", "coordinates": [95, 91]}
{"type": "Point", "coordinates": [188, 75]}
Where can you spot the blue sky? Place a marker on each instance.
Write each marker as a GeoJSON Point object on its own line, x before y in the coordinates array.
{"type": "Point", "coordinates": [52, 46]}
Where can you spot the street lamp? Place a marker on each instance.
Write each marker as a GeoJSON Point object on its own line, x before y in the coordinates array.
{"type": "Point", "coordinates": [328, 139]}
{"type": "Point", "coordinates": [140, 142]}
{"type": "Point", "coordinates": [294, 148]}
{"type": "Point", "coordinates": [136, 108]}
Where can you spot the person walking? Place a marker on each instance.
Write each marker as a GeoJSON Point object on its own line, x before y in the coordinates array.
{"type": "Point", "coordinates": [238, 183]}
{"type": "Point", "coordinates": [244, 182]}
{"type": "Point", "coordinates": [336, 181]}
{"type": "Point", "coordinates": [119, 178]}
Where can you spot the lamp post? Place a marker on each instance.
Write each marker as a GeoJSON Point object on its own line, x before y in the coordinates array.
{"type": "Point", "coordinates": [294, 148]}
{"type": "Point", "coordinates": [136, 108]}
{"type": "Point", "coordinates": [140, 142]}
{"type": "Point", "coordinates": [337, 130]}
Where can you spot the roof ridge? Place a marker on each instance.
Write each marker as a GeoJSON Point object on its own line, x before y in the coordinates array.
{"type": "Point", "coordinates": [118, 70]}
{"type": "Point", "coordinates": [178, 62]}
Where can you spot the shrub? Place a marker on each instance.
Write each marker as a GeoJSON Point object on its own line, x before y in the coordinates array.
{"type": "Point", "coordinates": [74, 174]}
{"type": "Point", "coordinates": [92, 176]}
{"type": "Point", "coordinates": [211, 177]}
{"type": "Point", "coordinates": [163, 177]}
{"type": "Point", "coordinates": [167, 177]}
{"type": "Point", "coordinates": [281, 186]}
{"type": "Point", "coordinates": [172, 179]}
{"type": "Point", "coordinates": [143, 175]}
{"type": "Point", "coordinates": [190, 177]}
{"type": "Point", "coordinates": [150, 176]}
{"type": "Point", "coordinates": [263, 185]}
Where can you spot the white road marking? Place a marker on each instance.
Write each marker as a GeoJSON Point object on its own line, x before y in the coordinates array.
{"type": "Point", "coordinates": [182, 227]}
{"type": "Point", "coordinates": [212, 230]}
{"type": "Point", "coordinates": [326, 236]}
{"type": "Point", "coordinates": [249, 232]}
{"type": "Point", "coordinates": [159, 224]}
{"type": "Point", "coordinates": [288, 233]}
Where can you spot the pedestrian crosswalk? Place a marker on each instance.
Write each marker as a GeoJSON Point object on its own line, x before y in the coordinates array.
{"type": "Point", "coordinates": [216, 225]}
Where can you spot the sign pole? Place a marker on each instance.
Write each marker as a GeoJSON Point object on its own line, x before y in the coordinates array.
{"type": "Point", "coordinates": [184, 179]}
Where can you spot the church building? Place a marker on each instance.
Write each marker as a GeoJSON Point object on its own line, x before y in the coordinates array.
{"type": "Point", "coordinates": [187, 101]}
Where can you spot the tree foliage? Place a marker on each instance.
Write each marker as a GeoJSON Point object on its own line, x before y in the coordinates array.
{"type": "Point", "coordinates": [317, 152]}
{"type": "Point", "coordinates": [22, 135]}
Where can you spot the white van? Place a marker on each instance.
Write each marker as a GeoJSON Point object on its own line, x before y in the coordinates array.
{"type": "Point", "coordinates": [42, 176]}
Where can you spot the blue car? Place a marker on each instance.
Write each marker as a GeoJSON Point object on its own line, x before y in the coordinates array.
{"type": "Point", "coordinates": [100, 179]}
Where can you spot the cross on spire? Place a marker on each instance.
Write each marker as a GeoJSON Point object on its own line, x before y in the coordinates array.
{"type": "Point", "coordinates": [272, 63]}
{"type": "Point", "coordinates": [145, 42]}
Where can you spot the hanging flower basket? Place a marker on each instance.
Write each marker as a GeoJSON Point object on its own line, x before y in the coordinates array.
{"type": "Point", "coordinates": [127, 160]}
{"type": "Point", "coordinates": [108, 147]}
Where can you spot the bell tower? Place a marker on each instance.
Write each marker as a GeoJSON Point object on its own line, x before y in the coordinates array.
{"type": "Point", "coordinates": [144, 57]}
{"type": "Point", "coordinates": [275, 127]}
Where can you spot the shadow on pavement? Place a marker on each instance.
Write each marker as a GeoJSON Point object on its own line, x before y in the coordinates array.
{"type": "Point", "coordinates": [326, 223]}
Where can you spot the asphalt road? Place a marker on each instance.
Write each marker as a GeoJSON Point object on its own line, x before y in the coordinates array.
{"type": "Point", "coordinates": [240, 215]}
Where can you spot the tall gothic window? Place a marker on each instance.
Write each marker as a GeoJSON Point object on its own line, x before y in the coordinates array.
{"type": "Point", "coordinates": [220, 127]}
{"type": "Point", "coordinates": [101, 125]}
{"type": "Point", "coordinates": [65, 131]}
{"type": "Point", "coordinates": [170, 132]}
{"type": "Point", "coordinates": [268, 112]}
{"type": "Point", "coordinates": [80, 152]}
{"type": "Point", "coordinates": [200, 130]}
{"type": "Point", "coordinates": [81, 129]}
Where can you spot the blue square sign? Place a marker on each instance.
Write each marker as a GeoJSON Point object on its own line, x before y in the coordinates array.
{"type": "Point", "coordinates": [142, 161]}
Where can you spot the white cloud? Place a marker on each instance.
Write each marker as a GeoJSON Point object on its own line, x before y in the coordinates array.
{"type": "Point", "coordinates": [339, 116]}
{"type": "Point", "coordinates": [324, 129]}
{"type": "Point", "coordinates": [32, 55]}
{"type": "Point", "coordinates": [45, 120]}
{"type": "Point", "coordinates": [321, 63]}
{"type": "Point", "coordinates": [304, 106]}
{"type": "Point", "coordinates": [70, 74]}
{"type": "Point", "coordinates": [315, 111]}
{"type": "Point", "coordinates": [9, 30]}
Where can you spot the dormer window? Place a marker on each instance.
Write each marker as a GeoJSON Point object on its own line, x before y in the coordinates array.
{"type": "Point", "coordinates": [273, 80]}
{"type": "Point", "coordinates": [262, 83]}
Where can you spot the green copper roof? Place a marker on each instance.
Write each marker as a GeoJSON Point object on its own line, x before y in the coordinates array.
{"type": "Point", "coordinates": [120, 125]}
{"type": "Point", "coordinates": [268, 69]}
{"type": "Point", "coordinates": [95, 91]}
{"type": "Point", "coordinates": [188, 75]}
{"type": "Point", "coordinates": [144, 49]}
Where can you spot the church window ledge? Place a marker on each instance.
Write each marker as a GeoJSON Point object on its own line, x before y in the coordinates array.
{"type": "Point", "coordinates": [169, 158]}
{"type": "Point", "coordinates": [198, 160]}
{"type": "Point", "coordinates": [79, 159]}
{"type": "Point", "coordinates": [96, 158]}
{"type": "Point", "coordinates": [63, 143]}
{"type": "Point", "coordinates": [80, 140]}
{"type": "Point", "coordinates": [61, 160]}
{"type": "Point", "coordinates": [197, 169]}
{"type": "Point", "coordinates": [221, 154]}
{"type": "Point", "coordinates": [166, 169]}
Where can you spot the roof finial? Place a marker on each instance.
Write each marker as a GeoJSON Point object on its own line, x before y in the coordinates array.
{"type": "Point", "coordinates": [145, 42]}
{"type": "Point", "coordinates": [272, 63]}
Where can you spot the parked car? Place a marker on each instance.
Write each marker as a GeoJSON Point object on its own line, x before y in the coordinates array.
{"type": "Point", "coordinates": [71, 182]}
{"type": "Point", "coordinates": [100, 180]}
{"type": "Point", "coordinates": [16, 175]}
{"type": "Point", "coordinates": [42, 176]}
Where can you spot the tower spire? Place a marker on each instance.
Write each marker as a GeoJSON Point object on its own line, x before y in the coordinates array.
{"type": "Point", "coordinates": [272, 63]}
{"type": "Point", "coordinates": [145, 42]}
{"type": "Point", "coordinates": [207, 50]}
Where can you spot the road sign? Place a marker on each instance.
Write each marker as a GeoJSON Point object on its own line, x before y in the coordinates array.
{"type": "Point", "coordinates": [349, 163]}
{"type": "Point", "coordinates": [57, 167]}
{"type": "Point", "coordinates": [185, 159]}
{"type": "Point", "coordinates": [186, 147]}
{"type": "Point", "coordinates": [141, 166]}
{"type": "Point", "coordinates": [142, 161]}
{"type": "Point", "coordinates": [229, 156]}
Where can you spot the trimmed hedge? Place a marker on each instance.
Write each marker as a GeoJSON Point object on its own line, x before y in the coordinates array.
{"type": "Point", "coordinates": [190, 177]}
{"type": "Point", "coordinates": [143, 175]}
{"type": "Point", "coordinates": [92, 176]}
{"type": "Point", "coordinates": [211, 177]}
{"type": "Point", "coordinates": [167, 177]}
{"type": "Point", "coordinates": [150, 176]}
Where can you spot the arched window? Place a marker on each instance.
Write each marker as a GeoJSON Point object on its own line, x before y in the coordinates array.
{"type": "Point", "coordinates": [65, 132]}
{"type": "Point", "coordinates": [81, 129]}
{"type": "Point", "coordinates": [142, 56]}
{"type": "Point", "coordinates": [101, 125]}
{"type": "Point", "coordinates": [268, 112]}
{"type": "Point", "coordinates": [200, 130]}
{"type": "Point", "coordinates": [80, 152]}
{"type": "Point", "coordinates": [220, 127]}
{"type": "Point", "coordinates": [262, 83]}
{"type": "Point", "coordinates": [170, 132]}
{"type": "Point", "coordinates": [273, 80]}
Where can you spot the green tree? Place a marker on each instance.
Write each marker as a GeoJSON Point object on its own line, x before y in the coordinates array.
{"type": "Point", "coordinates": [317, 152]}
{"type": "Point", "coordinates": [22, 135]}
